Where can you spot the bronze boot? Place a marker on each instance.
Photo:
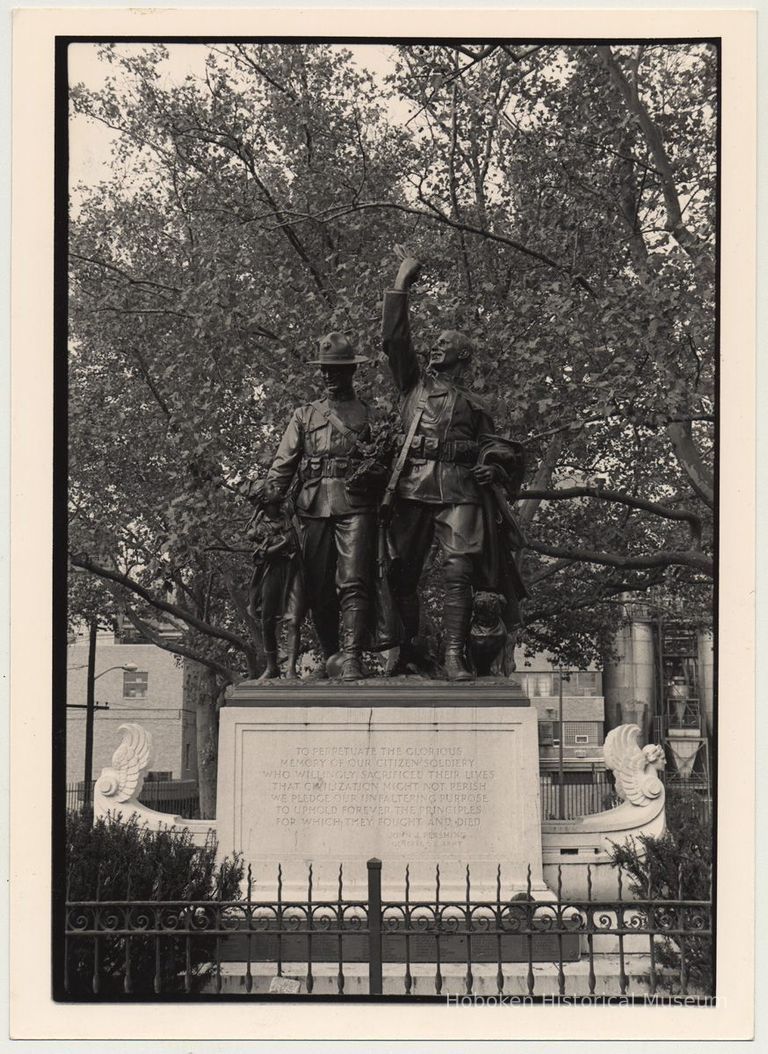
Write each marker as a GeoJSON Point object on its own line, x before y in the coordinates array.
{"type": "Point", "coordinates": [353, 631]}
{"type": "Point", "coordinates": [456, 618]}
{"type": "Point", "coordinates": [406, 662]}
{"type": "Point", "coordinates": [272, 670]}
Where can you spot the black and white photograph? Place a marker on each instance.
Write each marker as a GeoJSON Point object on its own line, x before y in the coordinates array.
{"type": "Point", "coordinates": [387, 473]}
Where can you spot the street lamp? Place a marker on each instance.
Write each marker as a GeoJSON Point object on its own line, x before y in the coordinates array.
{"type": "Point", "coordinates": [129, 667]}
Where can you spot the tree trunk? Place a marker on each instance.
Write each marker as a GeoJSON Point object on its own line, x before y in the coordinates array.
{"type": "Point", "coordinates": [541, 480]}
{"type": "Point", "coordinates": [689, 457]}
{"type": "Point", "coordinates": [696, 248]}
{"type": "Point", "coordinates": [200, 695]}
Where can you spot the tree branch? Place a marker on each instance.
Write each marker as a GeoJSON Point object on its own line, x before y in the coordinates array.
{"type": "Point", "coordinates": [282, 88]}
{"type": "Point", "coordinates": [230, 676]}
{"type": "Point", "coordinates": [619, 498]}
{"type": "Point", "coordinates": [84, 561]}
{"type": "Point", "coordinates": [697, 561]}
{"type": "Point", "coordinates": [601, 596]}
{"type": "Point", "coordinates": [239, 149]}
{"type": "Point", "coordinates": [458, 72]}
{"type": "Point", "coordinates": [336, 212]}
{"type": "Point", "coordinates": [123, 274]}
{"type": "Point", "coordinates": [148, 380]}
{"type": "Point", "coordinates": [552, 569]}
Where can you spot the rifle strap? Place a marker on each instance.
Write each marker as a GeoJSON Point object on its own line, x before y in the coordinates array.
{"type": "Point", "coordinates": [399, 465]}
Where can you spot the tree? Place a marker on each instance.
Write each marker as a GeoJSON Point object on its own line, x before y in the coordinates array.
{"type": "Point", "coordinates": [185, 363]}
{"type": "Point", "coordinates": [673, 867]}
{"type": "Point", "coordinates": [256, 205]}
{"type": "Point", "coordinates": [576, 187]}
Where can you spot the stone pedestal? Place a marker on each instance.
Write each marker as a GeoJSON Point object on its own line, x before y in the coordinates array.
{"type": "Point", "coordinates": [416, 773]}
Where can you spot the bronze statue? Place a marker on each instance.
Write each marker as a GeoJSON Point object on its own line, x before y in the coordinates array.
{"type": "Point", "coordinates": [276, 590]}
{"type": "Point", "coordinates": [322, 449]}
{"type": "Point", "coordinates": [487, 632]}
{"type": "Point", "coordinates": [446, 484]}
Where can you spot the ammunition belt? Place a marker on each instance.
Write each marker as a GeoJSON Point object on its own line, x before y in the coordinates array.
{"type": "Point", "coordinates": [326, 467]}
{"type": "Point", "coordinates": [461, 450]}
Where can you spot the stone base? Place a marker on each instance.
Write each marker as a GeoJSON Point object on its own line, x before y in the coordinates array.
{"type": "Point", "coordinates": [417, 773]}
{"type": "Point", "coordinates": [546, 980]}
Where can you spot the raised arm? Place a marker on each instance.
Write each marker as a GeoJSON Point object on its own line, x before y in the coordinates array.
{"type": "Point", "coordinates": [396, 329]}
{"type": "Point", "coordinates": [288, 456]}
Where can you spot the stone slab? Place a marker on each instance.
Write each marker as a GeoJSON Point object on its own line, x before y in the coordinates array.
{"type": "Point", "coordinates": [414, 785]}
{"type": "Point", "coordinates": [400, 691]}
{"type": "Point", "coordinates": [607, 971]}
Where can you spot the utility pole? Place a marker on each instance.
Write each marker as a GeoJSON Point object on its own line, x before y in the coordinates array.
{"type": "Point", "coordinates": [560, 780]}
{"type": "Point", "coordinates": [89, 714]}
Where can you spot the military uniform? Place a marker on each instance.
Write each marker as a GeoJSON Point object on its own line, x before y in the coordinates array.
{"type": "Point", "coordinates": [437, 495]}
{"type": "Point", "coordinates": [338, 528]}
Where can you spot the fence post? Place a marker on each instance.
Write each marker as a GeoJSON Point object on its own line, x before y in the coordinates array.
{"type": "Point", "coordinates": [374, 927]}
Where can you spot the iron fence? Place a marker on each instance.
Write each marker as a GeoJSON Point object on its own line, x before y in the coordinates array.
{"type": "Point", "coordinates": [181, 797]}
{"type": "Point", "coordinates": [576, 799]}
{"type": "Point", "coordinates": [434, 947]}
{"type": "Point", "coordinates": [176, 797]}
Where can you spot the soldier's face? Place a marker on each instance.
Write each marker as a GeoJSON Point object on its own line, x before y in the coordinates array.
{"type": "Point", "coordinates": [338, 379]}
{"type": "Point", "coordinates": [448, 349]}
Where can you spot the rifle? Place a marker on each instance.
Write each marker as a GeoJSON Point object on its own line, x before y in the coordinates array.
{"type": "Point", "coordinates": [385, 508]}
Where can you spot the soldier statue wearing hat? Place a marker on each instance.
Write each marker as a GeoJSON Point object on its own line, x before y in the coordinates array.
{"type": "Point", "coordinates": [451, 483]}
{"type": "Point", "coordinates": [320, 449]}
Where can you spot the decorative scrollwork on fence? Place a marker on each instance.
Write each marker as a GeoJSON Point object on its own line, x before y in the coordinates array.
{"type": "Point", "coordinates": [186, 941]}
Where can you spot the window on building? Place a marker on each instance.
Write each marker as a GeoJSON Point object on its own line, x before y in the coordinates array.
{"type": "Point", "coordinates": [157, 776]}
{"type": "Point", "coordinates": [546, 733]}
{"type": "Point", "coordinates": [588, 682]}
{"type": "Point", "coordinates": [135, 684]}
{"type": "Point", "coordinates": [580, 732]}
{"type": "Point", "coordinates": [576, 682]}
{"type": "Point", "coordinates": [187, 746]}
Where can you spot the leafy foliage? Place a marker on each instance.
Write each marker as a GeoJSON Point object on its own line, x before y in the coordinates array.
{"type": "Point", "coordinates": [563, 199]}
{"type": "Point", "coordinates": [116, 860]}
{"type": "Point", "coordinates": [676, 866]}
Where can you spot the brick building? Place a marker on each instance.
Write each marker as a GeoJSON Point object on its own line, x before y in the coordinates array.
{"type": "Point", "coordinates": [583, 714]}
{"type": "Point", "coordinates": [151, 695]}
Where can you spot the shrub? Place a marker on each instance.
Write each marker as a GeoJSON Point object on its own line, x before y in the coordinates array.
{"type": "Point", "coordinates": [676, 866]}
{"type": "Point", "coordinates": [113, 860]}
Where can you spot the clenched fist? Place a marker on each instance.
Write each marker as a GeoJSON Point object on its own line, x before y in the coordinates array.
{"type": "Point", "coordinates": [409, 270]}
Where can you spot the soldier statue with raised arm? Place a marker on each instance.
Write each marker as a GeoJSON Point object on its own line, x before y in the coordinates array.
{"type": "Point", "coordinates": [451, 482]}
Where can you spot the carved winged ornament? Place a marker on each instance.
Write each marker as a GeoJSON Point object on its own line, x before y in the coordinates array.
{"type": "Point", "coordinates": [635, 768]}
{"type": "Point", "coordinates": [124, 779]}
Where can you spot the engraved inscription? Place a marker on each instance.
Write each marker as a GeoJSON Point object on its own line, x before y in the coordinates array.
{"type": "Point", "coordinates": [415, 793]}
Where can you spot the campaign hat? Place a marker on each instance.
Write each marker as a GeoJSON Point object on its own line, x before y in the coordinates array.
{"type": "Point", "coordinates": [336, 350]}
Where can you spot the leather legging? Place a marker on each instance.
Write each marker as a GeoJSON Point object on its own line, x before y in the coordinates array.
{"type": "Point", "coordinates": [459, 531]}
{"type": "Point", "coordinates": [338, 555]}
